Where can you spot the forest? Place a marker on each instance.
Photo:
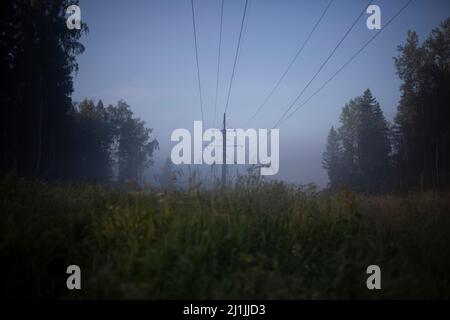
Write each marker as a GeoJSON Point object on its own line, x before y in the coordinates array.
{"type": "Point", "coordinates": [45, 134]}
{"type": "Point", "coordinates": [72, 190]}
{"type": "Point", "coordinates": [367, 153]}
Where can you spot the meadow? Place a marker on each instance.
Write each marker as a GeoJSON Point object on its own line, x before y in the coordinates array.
{"type": "Point", "coordinates": [256, 240]}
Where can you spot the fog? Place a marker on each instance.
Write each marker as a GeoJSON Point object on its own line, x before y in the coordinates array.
{"type": "Point", "coordinates": [144, 53]}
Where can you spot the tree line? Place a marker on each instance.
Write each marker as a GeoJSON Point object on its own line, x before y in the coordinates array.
{"type": "Point", "coordinates": [43, 133]}
{"type": "Point", "coordinates": [110, 143]}
{"type": "Point", "coordinates": [366, 153]}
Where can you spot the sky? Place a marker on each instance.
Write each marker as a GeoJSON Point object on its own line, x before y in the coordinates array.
{"type": "Point", "coordinates": [143, 52]}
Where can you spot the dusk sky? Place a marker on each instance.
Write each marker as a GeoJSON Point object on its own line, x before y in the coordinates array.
{"type": "Point", "coordinates": [143, 52]}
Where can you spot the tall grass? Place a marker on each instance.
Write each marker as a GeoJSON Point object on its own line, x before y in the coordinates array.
{"type": "Point", "coordinates": [255, 240]}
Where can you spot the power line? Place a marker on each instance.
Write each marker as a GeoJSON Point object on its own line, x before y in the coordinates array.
{"type": "Point", "coordinates": [196, 59]}
{"type": "Point", "coordinates": [218, 62]}
{"type": "Point", "coordinates": [236, 56]}
{"type": "Point", "coordinates": [323, 64]}
{"type": "Point", "coordinates": [349, 60]}
{"type": "Point", "coordinates": [291, 63]}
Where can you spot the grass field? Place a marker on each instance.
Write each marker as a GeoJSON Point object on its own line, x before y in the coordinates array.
{"type": "Point", "coordinates": [257, 240]}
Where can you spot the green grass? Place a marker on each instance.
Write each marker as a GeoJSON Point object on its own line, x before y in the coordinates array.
{"type": "Point", "coordinates": [258, 240]}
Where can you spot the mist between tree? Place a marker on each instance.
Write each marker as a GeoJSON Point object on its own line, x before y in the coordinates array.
{"type": "Point", "coordinates": [47, 136]}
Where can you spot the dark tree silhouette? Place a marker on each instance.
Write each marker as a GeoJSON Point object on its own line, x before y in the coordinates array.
{"type": "Point", "coordinates": [43, 134]}
{"type": "Point", "coordinates": [357, 155]}
{"type": "Point", "coordinates": [134, 148]}
{"type": "Point", "coordinates": [413, 153]}
{"type": "Point", "coordinates": [422, 124]}
{"type": "Point", "coordinates": [37, 59]}
{"type": "Point", "coordinates": [109, 143]}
